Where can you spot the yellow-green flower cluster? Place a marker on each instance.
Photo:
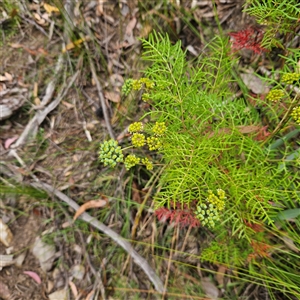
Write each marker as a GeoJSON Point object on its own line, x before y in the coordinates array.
{"type": "Point", "coordinates": [146, 97]}
{"type": "Point", "coordinates": [138, 84]}
{"type": "Point", "coordinates": [135, 127]}
{"type": "Point", "coordinates": [110, 153]}
{"type": "Point", "coordinates": [154, 143]}
{"type": "Point", "coordinates": [127, 86]}
{"type": "Point", "coordinates": [289, 78]}
{"type": "Point", "coordinates": [147, 163]}
{"type": "Point", "coordinates": [275, 95]}
{"type": "Point", "coordinates": [131, 160]}
{"type": "Point", "coordinates": [296, 114]}
{"type": "Point", "coordinates": [208, 214]}
{"type": "Point", "coordinates": [217, 201]}
{"type": "Point", "coordinates": [138, 140]}
{"type": "Point", "coordinates": [159, 128]}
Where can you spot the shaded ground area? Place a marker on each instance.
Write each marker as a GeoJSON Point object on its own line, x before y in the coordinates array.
{"type": "Point", "coordinates": [62, 62]}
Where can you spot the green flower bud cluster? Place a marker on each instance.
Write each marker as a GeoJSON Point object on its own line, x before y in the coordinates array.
{"type": "Point", "coordinates": [275, 95]}
{"type": "Point", "coordinates": [296, 114]}
{"type": "Point", "coordinates": [127, 86]}
{"type": "Point", "coordinates": [130, 161]}
{"type": "Point", "coordinates": [289, 78]}
{"type": "Point", "coordinates": [207, 214]}
{"type": "Point", "coordinates": [110, 153]}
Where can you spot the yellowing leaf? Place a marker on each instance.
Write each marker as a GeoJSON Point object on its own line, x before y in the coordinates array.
{"type": "Point", "coordinates": [72, 45]}
{"type": "Point", "coordinates": [50, 9]}
{"type": "Point", "coordinates": [89, 204]}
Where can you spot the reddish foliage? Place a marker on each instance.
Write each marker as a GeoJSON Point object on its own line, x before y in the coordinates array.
{"type": "Point", "coordinates": [262, 134]}
{"type": "Point", "coordinates": [255, 227]}
{"type": "Point", "coordinates": [180, 216]}
{"type": "Point", "coordinates": [260, 250]}
{"type": "Point", "coordinates": [250, 38]}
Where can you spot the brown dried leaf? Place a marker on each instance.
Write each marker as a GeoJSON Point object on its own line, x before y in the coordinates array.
{"type": "Point", "coordinates": [89, 204]}
{"type": "Point", "coordinates": [16, 45]}
{"type": "Point", "coordinates": [220, 275]}
{"type": "Point", "coordinates": [136, 193]}
{"type": "Point", "coordinates": [73, 288]}
{"type": "Point", "coordinates": [254, 83]}
{"type": "Point", "coordinates": [5, 234]}
{"type": "Point", "coordinates": [248, 128]}
{"type": "Point", "coordinates": [8, 76]}
{"type": "Point", "coordinates": [130, 26]}
{"type": "Point", "coordinates": [113, 96]}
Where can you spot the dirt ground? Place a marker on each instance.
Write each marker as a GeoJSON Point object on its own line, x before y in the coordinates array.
{"type": "Point", "coordinates": [64, 152]}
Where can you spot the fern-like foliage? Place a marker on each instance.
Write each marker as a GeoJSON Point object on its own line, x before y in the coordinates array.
{"type": "Point", "coordinates": [209, 145]}
{"type": "Point", "coordinates": [279, 16]}
{"type": "Point", "coordinates": [205, 147]}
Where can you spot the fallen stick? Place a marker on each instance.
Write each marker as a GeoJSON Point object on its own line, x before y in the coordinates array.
{"type": "Point", "coordinates": [140, 261]}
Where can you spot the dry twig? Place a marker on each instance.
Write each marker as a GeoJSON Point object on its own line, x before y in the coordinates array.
{"type": "Point", "coordinates": [140, 261]}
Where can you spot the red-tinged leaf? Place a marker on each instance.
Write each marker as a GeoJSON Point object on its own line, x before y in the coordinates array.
{"type": "Point", "coordinates": [9, 141]}
{"type": "Point", "coordinates": [262, 134]}
{"type": "Point", "coordinates": [88, 205]}
{"type": "Point", "coordinates": [34, 276]}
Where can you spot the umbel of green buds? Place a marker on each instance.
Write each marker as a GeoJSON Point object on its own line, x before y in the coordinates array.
{"type": "Point", "coordinates": [110, 153]}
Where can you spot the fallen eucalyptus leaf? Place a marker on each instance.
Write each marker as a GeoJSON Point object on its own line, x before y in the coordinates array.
{"type": "Point", "coordinates": [20, 259]}
{"type": "Point", "coordinates": [61, 295]}
{"type": "Point", "coordinates": [87, 205]}
{"type": "Point", "coordinates": [34, 276]}
{"type": "Point", "coordinates": [5, 234]}
{"type": "Point", "coordinates": [44, 253]}
{"type": "Point", "coordinates": [254, 83]}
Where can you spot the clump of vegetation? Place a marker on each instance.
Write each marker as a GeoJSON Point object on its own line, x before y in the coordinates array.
{"type": "Point", "coordinates": [218, 174]}
{"type": "Point", "coordinates": [280, 18]}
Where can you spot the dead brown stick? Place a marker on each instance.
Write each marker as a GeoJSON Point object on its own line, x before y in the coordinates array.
{"type": "Point", "coordinates": [140, 261]}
